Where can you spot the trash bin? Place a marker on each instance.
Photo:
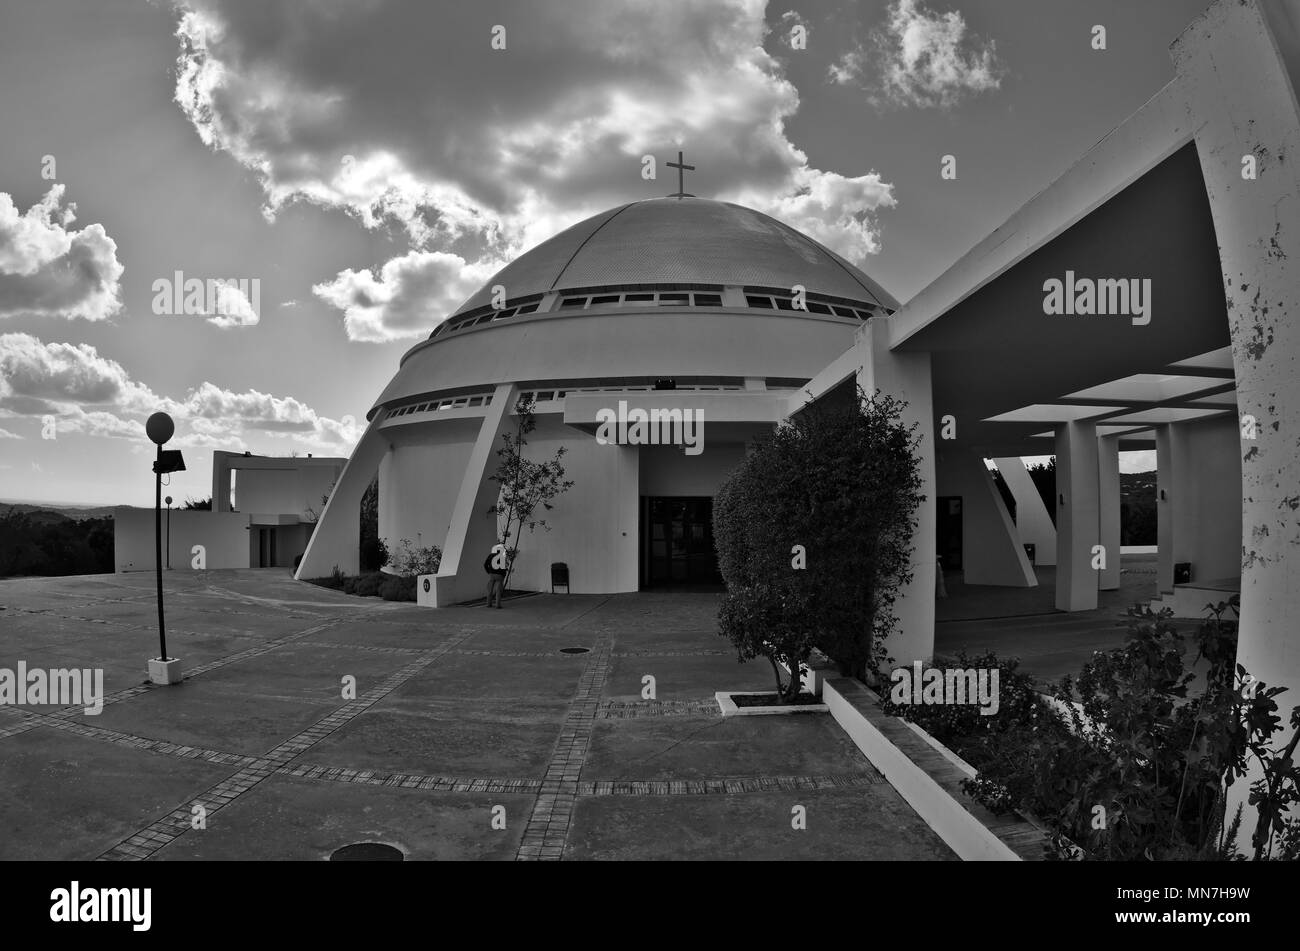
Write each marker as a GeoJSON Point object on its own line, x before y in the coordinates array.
{"type": "Point", "coordinates": [1183, 572]}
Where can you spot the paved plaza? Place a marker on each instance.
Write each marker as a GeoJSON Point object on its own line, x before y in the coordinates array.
{"type": "Point", "coordinates": [456, 712]}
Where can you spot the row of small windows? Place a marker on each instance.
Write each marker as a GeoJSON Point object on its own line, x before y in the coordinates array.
{"type": "Point", "coordinates": [778, 302]}
{"type": "Point", "coordinates": [644, 298]}
{"type": "Point", "coordinates": [542, 396]}
{"type": "Point", "coordinates": [480, 319]}
{"type": "Point", "coordinates": [459, 402]}
{"type": "Point", "coordinates": [758, 300]}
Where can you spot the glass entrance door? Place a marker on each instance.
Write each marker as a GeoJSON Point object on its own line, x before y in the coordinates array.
{"type": "Point", "coordinates": [680, 535]}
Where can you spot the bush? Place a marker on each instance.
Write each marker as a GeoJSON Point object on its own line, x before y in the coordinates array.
{"type": "Point", "coordinates": [962, 727]}
{"type": "Point", "coordinates": [374, 554]}
{"type": "Point", "coordinates": [395, 588]}
{"type": "Point", "coordinates": [367, 586]}
{"type": "Point", "coordinates": [409, 561]}
{"type": "Point", "coordinates": [842, 484]}
{"type": "Point", "coordinates": [1143, 771]}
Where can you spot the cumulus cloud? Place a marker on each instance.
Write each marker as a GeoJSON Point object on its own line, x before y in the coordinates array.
{"type": "Point", "coordinates": [478, 155]}
{"type": "Point", "coordinates": [93, 395]}
{"type": "Point", "coordinates": [6, 434]}
{"type": "Point", "coordinates": [411, 294]}
{"type": "Point", "coordinates": [49, 269]}
{"type": "Point", "coordinates": [920, 58]}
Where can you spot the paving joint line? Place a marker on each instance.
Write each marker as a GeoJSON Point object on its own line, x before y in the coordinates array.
{"type": "Point", "coordinates": [163, 831]}
{"type": "Point", "coordinates": [547, 829]}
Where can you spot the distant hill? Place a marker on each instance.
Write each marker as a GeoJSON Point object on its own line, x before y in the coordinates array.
{"type": "Point", "coordinates": [74, 512]}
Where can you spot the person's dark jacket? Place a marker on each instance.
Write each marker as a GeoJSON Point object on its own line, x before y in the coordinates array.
{"type": "Point", "coordinates": [487, 566]}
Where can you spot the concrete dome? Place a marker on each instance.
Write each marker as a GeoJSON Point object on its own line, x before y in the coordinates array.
{"type": "Point", "coordinates": [691, 241]}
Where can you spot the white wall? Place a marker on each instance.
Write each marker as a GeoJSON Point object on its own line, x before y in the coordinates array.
{"type": "Point", "coordinates": [1207, 503]}
{"type": "Point", "coordinates": [284, 491]}
{"type": "Point", "coordinates": [991, 552]}
{"type": "Point", "coordinates": [419, 478]}
{"type": "Point", "coordinates": [224, 536]}
{"type": "Point", "coordinates": [666, 470]}
{"type": "Point", "coordinates": [593, 525]}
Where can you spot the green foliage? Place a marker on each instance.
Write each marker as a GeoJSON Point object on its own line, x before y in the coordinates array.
{"type": "Point", "coordinates": [843, 483]}
{"type": "Point", "coordinates": [197, 505]}
{"type": "Point", "coordinates": [409, 561]}
{"type": "Point", "coordinates": [396, 588]}
{"type": "Point", "coordinates": [526, 485]}
{"type": "Point", "coordinates": [48, 543]}
{"type": "Point", "coordinates": [368, 585]}
{"type": "Point", "coordinates": [1139, 767]}
{"type": "Point", "coordinates": [962, 725]}
{"type": "Point", "coordinates": [374, 550]}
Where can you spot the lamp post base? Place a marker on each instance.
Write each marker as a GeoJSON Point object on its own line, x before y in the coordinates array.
{"type": "Point", "coordinates": [165, 671]}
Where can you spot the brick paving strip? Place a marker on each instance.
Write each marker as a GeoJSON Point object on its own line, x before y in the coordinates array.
{"type": "Point", "coordinates": [170, 827]}
{"type": "Point", "coordinates": [548, 826]}
{"type": "Point", "coordinates": [631, 709]}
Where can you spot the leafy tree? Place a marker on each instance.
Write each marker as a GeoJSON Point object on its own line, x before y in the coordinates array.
{"type": "Point", "coordinates": [197, 505]}
{"type": "Point", "coordinates": [525, 484]}
{"type": "Point", "coordinates": [841, 485]}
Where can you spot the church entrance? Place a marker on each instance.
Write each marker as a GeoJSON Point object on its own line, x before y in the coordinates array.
{"type": "Point", "coordinates": [677, 542]}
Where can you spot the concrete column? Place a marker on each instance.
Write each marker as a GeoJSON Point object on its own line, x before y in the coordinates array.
{"type": "Point", "coordinates": [1164, 513]}
{"type": "Point", "coordinates": [1033, 522]}
{"type": "Point", "coordinates": [906, 376]}
{"type": "Point", "coordinates": [1077, 516]}
{"type": "Point", "coordinates": [473, 531]}
{"type": "Point", "coordinates": [221, 480]}
{"type": "Point", "coordinates": [1108, 510]}
{"type": "Point", "coordinates": [1238, 67]}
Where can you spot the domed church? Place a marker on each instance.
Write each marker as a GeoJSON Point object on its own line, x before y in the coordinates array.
{"type": "Point", "coordinates": [657, 339]}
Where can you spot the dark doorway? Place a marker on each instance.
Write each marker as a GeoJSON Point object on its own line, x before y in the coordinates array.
{"type": "Point", "coordinates": [678, 549]}
{"type": "Point", "coordinates": [266, 548]}
{"type": "Point", "coordinates": [949, 531]}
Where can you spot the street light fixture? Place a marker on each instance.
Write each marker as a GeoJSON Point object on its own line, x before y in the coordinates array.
{"type": "Point", "coordinates": [159, 427]}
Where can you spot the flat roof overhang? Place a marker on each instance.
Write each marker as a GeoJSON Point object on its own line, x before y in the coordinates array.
{"type": "Point", "coordinates": [997, 353]}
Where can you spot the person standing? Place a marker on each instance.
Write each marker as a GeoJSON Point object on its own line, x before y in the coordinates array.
{"type": "Point", "coordinates": [496, 576]}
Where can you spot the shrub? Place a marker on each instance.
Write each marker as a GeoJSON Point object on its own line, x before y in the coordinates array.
{"type": "Point", "coordinates": [395, 588]}
{"type": "Point", "coordinates": [843, 484]}
{"type": "Point", "coordinates": [962, 727]}
{"type": "Point", "coordinates": [408, 561]}
{"type": "Point", "coordinates": [374, 554]}
{"type": "Point", "coordinates": [1140, 770]}
{"type": "Point", "coordinates": [367, 586]}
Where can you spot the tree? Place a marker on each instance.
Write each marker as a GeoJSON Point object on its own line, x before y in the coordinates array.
{"type": "Point", "coordinates": [814, 537]}
{"type": "Point", "coordinates": [525, 484]}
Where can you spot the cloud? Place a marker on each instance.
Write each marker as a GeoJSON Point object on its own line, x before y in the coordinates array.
{"type": "Point", "coordinates": [477, 154]}
{"type": "Point", "coordinates": [408, 297]}
{"type": "Point", "coordinates": [6, 434]}
{"type": "Point", "coordinates": [920, 58]}
{"type": "Point", "coordinates": [92, 395]}
{"type": "Point", "coordinates": [233, 308]}
{"type": "Point", "coordinates": [48, 269]}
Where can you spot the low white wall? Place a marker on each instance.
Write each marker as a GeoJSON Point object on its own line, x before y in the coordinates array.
{"type": "Point", "coordinates": [223, 535]}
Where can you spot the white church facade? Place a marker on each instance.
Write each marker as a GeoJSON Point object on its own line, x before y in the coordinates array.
{"type": "Point", "coordinates": [1145, 299]}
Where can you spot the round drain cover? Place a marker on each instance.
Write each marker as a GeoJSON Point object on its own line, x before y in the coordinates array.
{"type": "Point", "coordinates": [575, 650]}
{"type": "Point", "coordinates": [367, 852]}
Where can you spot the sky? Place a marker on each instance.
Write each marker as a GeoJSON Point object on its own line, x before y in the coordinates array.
{"type": "Point", "coordinates": [361, 167]}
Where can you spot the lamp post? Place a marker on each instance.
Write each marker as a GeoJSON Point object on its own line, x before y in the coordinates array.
{"type": "Point", "coordinates": [168, 500]}
{"type": "Point", "coordinates": [160, 428]}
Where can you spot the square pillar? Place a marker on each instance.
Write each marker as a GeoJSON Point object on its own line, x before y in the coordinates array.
{"type": "Point", "coordinates": [1109, 510]}
{"type": "Point", "coordinates": [1078, 509]}
{"type": "Point", "coordinates": [906, 376]}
